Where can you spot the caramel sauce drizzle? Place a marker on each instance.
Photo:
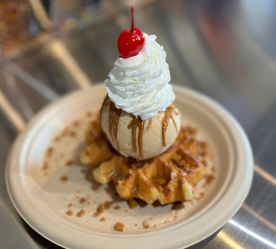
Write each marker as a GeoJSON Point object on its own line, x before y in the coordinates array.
{"type": "Point", "coordinates": [114, 117]}
{"type": "Point", "coordinates": [104, 102]}
{"type": "Point", "coordinates": [135, 123]}
{"type": "Point", "coordinates": [149, 123]}
{"type": "Point", "coordinates": [165, 122]}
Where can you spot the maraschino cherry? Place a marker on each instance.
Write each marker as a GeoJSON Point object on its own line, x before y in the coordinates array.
{"type": "Point", "coordinates": [130, 42]}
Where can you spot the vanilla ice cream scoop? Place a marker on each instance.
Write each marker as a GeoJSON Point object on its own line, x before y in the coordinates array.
{"type": "Point", "coordinates": [133, 137]}
{"type": "Point", "coordinates": [138, 116]}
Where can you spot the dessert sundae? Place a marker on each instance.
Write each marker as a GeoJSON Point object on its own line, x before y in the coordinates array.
{"type": "Point", "coordinates": [138, 115]}
{"type": "Point", "coordinates": [138, 144]}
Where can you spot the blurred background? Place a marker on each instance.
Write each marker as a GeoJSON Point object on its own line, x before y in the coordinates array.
{"type": "Point", "coordinates": [225, 49]}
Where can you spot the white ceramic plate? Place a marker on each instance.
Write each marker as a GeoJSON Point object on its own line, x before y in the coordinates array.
{"type": "Point", "coordinates": [42, 200]}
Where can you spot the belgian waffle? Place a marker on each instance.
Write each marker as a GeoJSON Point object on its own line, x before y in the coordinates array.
{"type": "Point", "coordinates": [167, 178]}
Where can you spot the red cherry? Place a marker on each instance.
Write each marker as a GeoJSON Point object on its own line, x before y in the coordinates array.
{"type": "Point", "coordinates": [130, 42]}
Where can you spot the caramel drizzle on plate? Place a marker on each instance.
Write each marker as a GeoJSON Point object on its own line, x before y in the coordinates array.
{"type": "Point", "coordinates": [114, 117]}
{"type": "Point", "coordinates": [135, 123]}
{"type": "Point", "coordinates": [168, 114]}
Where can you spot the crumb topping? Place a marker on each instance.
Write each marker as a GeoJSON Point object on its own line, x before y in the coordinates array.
{"type": "Point", "coordinates": [82, 200]}
{"type": "Point", "coordinates": [102, 207]}
{"type": "Point", "coordinates": [63, 178]}
{"type": "Point", "coordinates": [69, 212]}
{"type": "Point", "coordinates": [119, 227]}
{"type": "Point", "coordinates": [81, 213]}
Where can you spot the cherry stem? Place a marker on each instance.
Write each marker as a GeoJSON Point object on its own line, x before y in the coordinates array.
{"type": "Point", "coordinates": [132, 18]}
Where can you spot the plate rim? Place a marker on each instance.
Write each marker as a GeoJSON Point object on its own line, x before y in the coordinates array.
{"type": "Point", "coordinates": [226, 115]}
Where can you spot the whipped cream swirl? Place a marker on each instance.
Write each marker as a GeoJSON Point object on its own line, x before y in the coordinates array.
{"type": "Point", "coordinates": [140, 84]}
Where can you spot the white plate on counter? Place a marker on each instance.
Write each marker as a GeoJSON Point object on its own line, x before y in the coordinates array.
{"type": "Point", "coordinates": [42, 199]}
